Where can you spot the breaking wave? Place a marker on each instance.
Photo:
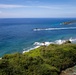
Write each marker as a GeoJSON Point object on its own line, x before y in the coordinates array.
{"type": "Point", "coordinates": [24, 50]}
{"type": "Point", "coordinates": [38, 44]}
{"type": "Point", "coordinates": [42, 29]}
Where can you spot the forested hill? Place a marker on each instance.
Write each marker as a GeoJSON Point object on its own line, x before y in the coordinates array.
{"type": "Point", "coordinates": [45, 60]}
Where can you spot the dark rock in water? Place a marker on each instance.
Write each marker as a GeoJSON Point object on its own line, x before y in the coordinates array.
{"type": "Point", "coordinates": [68, 41]}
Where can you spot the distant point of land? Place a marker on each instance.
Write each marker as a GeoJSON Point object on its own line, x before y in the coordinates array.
{"type": "Point", "coordinates": [68, 22]}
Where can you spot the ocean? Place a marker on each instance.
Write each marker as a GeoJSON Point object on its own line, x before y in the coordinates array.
{"type": "Point", "coordinates": [21, 34]}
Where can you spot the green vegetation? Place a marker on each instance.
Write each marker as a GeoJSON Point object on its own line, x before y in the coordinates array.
{"type": "Point", "coordinates": [69, 22]}
{"type": "Point", "coordinates": [46, 60]}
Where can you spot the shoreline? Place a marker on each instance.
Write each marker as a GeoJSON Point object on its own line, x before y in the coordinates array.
{"type": "Point", "coordinates": [67, 71]}
{"type": "Point", "coordinates": [63, 71]}
{"type": "Point", "coordinates": [59, 42]}
{"type": "Point", "coordinates": [30, 49]}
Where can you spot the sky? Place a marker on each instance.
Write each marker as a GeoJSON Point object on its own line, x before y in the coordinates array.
{"type": "Point", "coordinates": [37, 8]}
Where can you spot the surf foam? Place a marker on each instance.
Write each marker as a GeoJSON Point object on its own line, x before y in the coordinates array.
{"type": "Point", "coordinates": [24, 50]}
{"type": "Point", "coordinates": [42, 29]}
{"type": "Point", "coordinates": [72, 39]}
{"type": "Point", "coordinates": [42, 43]}
{"type": "Point", "coordinates": [59, 42]}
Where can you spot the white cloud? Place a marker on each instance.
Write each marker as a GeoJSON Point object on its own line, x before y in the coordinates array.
{"type": "Point", "coordinates": [10, 6]}
{"type": "Point", "coordinates": [49, 7]}
{"type": "Point", "coordinates": [37, 6]}
{"type": "Point", "coordinates": [24, 6]}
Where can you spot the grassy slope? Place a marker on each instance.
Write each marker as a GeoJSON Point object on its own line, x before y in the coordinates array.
{"type": "Point", "coordinates": [50, 60]}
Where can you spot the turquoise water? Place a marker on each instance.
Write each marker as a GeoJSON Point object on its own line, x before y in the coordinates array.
{"type": "Point", "coordinates": [17, 35]}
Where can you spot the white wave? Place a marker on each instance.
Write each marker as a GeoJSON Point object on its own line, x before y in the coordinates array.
{"type": "Point", "coordinates": [42, 29]}
{"type": "Point", "coordinates": [59, 42]}
{"type": "Point", "coordinates": [37, 45]}
{"type": "Point", "coordinates": [24, 50]}
{"type": "Point", "coordinates": [0, 58]}
{"type": "Point", "coordinates": [72, 39]}
{"type": "Point", "coordinates": [48, 43]}
{"type": "Point", "coordinates": [42, 43]}
{"type": "Point", "coordinates": [55, 42]}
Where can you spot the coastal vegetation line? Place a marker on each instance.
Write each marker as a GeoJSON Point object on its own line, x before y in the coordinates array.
{"type": "Point", "coordinates": [45, 60]}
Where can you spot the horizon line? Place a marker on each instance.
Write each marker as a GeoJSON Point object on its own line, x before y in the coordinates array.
{"type": "Point", "coordinates": [34, 17]}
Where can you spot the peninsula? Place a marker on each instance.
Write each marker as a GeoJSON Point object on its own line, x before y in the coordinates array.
{"type": "Point", "coordinates": [68, 22]}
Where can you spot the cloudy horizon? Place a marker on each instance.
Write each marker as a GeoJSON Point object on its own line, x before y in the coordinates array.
{"type": "Point", "coordinates": [38, 9]}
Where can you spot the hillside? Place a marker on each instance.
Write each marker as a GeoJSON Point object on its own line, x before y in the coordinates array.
{"type": "Point", "coordinates": [45, 60]}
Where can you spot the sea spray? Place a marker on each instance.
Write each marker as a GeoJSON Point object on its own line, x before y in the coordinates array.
{"type": "Point", "coordinates": [59, 42]}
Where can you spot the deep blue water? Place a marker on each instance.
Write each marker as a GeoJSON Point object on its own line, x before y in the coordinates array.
{"type": "Point", "coordinates": [17, 34]}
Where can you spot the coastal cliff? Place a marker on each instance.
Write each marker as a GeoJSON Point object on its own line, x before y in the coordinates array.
{"type": "Point", "coordinates": [45, 60]}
